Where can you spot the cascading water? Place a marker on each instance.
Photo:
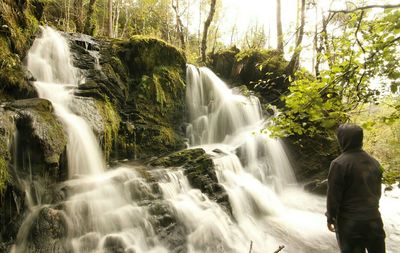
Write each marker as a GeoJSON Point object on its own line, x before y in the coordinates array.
{"type": "Point", "coordinates": [97, 211]}
{"type": "Point", "coordinates": [268, 206]}
{"type": "Point", "coordinates": [113, 211]}
{"type": "Point", "coordinates": [49, 61]}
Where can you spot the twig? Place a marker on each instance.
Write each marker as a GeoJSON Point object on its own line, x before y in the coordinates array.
{"type": "Point", "coordinates": [279, 249]}
{"type": "Point", "coordinates": [251, 246]}
{"type": "Point", "coordinates": [388, 6]}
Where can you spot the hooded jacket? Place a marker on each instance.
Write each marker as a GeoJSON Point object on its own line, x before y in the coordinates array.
{"type": "Point", "coordinates": [354, 180]}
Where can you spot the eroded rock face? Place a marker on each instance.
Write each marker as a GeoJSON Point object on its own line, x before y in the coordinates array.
{"type": "Point", "coordinates": [33, 148]}
{"type": "Point", "coordinates": [142, 79]}
{"type": "Point", "coordinates": [200, 171]}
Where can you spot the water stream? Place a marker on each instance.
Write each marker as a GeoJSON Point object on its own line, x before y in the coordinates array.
{"type": "Point", "coordinates": [108, 211]}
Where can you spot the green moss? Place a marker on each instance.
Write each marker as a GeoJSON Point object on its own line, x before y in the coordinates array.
{"type": "Point", "coordinates": [3, 174]}
{"type": "Point", "coordinates": [111, 121]}
{"type": "Point", "coordinates": [18, 27]}
{"type": "Point", "coordinates": [143, 54]}
{"type": "Point", "coordinates": [255, 54]}
{"type": "Point", "coordinates": [163, 86]}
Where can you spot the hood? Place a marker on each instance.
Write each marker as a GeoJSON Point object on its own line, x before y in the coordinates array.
{"type": "Point", "coordinates": [350, 137]}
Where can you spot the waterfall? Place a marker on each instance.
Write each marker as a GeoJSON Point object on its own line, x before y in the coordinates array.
{"type": "Point", "coordinates": [122, 210]}
{"type": "Point", "coordinates": [49, 61]}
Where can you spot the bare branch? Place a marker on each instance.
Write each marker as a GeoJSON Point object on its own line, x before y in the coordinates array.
{"type": "Point", "coordinates": [384, 6]}
{"type": "Point", "coordinates": [279, 249]}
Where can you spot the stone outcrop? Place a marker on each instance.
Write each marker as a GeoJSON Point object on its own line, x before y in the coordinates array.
{"type": "Point", "coordinates": [142, 79]}
{"type": "Point", "coordinates": [200, 171]}
{"type": "Point", "coordinates": [32, 149]}
{"type": "Point", "coordinates": [262, 71]}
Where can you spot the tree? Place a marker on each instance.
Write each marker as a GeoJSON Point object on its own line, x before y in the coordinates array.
{"type": "Point", "coordinates": [78, 15]}
{"type": "Point", "coordinates": [90, 22]}
{"type": "Point", "coordinates": [279, 26]}
{"type": "Point", "coordinates": [110, 18]}
{"type": "Point", "coordinates": [207, 24]}
{"type": "Point", "coordinates": [294, 61]}
{"type": "Point", "coordinates": [365, 49]}
{"type": "Point", "coordinates": [179, 24]}
{"type": "Point", "coordinates": [255, 37]}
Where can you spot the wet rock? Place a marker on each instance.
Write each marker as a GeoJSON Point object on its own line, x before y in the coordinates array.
{"type": "Point", "coordinates": [41, 136]}
{"type": "Point", "coordinates": [171, 233]}
{"type": "Point", "coordinates": [114, 244]}
{"type": "Point", "coordinates": [48, 232]}
{"type": "Point", "coordinates": [139, 190]}
{"type": "Point", "coordinates": [143, 80]}
{"type": "Point", "coordinates": [317, 186]}
{"type": "Point", "coordinates": [200, 171]}
{"type": "Point", "coordinates": [89, 242]}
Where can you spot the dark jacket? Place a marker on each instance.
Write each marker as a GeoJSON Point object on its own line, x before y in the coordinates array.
{"type": "Point", "coordinates": [354, 181]}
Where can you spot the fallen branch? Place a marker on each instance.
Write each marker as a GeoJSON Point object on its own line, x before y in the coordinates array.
{"type": "Point", "coordinates": [279, 249]}
{"type": "Point", "coordinates": [251, 246]}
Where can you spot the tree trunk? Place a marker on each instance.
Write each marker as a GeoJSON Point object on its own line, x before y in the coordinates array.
{"type": "Point", "coordinates": [179, 25]}
{"type": "Point", "coordinates": [116, 18]}
{"type": "Point", "coordinates": [279, 26]}
{"type": "Point", "coordinates": [205, 30]}
{"type": "Point", "coordinates": [90, 24]}
{"type": "Point", "coordinates": [294, 61]}
{"type": "Point", "coordinates": [127, 18]}
{"type": "Point", "coordinates": [78, 15]}
{"type": "Point", "coordinates": [110, 18]}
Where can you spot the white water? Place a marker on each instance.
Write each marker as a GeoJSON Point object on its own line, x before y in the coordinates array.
{"type": "Point", "coordinates": [268, 206]}
{"type": "Point", "coordinates": [49, 61]}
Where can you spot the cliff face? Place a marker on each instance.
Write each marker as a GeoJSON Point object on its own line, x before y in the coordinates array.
{"type": "Point", "coordinates": [143, 80]}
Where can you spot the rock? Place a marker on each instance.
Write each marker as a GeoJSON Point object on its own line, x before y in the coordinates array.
{"type": "Point", "coordinates": [143, 80]}
{"type": "Point", "coordinates": [138, 190]}
{"type": "Point", "coordinates": [388, 188]}
{"type": "Point", "coordinates": [200, 171]}
{"type": "Point", "coordinates": [262, 71]}
{"type": "Point", "coordinates": [317, 187]}
{"type": "Point", "coordinates": [114, 244]}
{"type": "Point", "coordinates": [311, 156]}
{"type": "Point", "coordinates": [48, 232]}
{"type": "Point", "coordinates": [40, 133]}
{"type": "Point", "coordinates": [171, 233]}
{"type": "Point", "coordinates": [89, 242]}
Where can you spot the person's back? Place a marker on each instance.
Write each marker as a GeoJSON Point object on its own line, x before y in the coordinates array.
{"type": "Point", "coordinates": [354, 190]}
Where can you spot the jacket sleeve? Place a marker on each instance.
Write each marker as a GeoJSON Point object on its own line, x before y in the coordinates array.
{"type": "Point", "coordinates": [336, 185]}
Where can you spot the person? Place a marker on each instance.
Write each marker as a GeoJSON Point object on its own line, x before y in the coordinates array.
{"type": "Point", "coordinates": [354, 190]}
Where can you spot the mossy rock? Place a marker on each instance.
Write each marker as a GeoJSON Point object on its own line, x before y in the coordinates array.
{"type": "Point", "coordinates": [142, 54]}
{"type": "Point", "coordinates": [7, 129]}
{"type": "Point", "coordinates": [18, 26]}
{"type": "Point", "coordinates": [40, 131]}
{"type": "Point", "coordinates": [200, 171]}
{"type": "Point", "coordinates": [261, 70]}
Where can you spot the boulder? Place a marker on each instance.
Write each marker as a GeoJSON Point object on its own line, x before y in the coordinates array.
{"type": "Point", "coordinates": [48, 232]}
{"type": "Point", "coordinates": [200, 171]}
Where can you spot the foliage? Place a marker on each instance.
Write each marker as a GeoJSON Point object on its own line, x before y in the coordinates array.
{"type": "Point", "coordinates": [381, 125]}
{"type": "Point", "coordinates": [365, 49]}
